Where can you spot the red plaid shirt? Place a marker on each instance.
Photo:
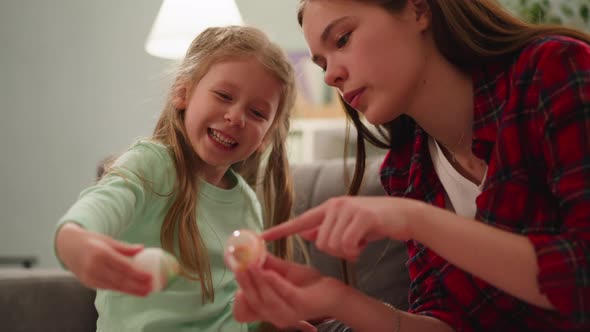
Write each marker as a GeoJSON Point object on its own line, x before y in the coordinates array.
{"type": "Point", "coordinates": [532, 126]}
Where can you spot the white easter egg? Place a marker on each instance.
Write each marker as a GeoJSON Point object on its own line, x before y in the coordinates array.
{"type": "Point", "coordinates": [160, 264]}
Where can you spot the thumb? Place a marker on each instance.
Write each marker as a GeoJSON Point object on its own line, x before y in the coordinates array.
{"type": "Point", "coordinates": [242, 311]}
{"type": "Point", "coordinates": [126, 249]}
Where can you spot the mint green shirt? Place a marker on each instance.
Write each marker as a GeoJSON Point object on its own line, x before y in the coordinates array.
{"type": "Point", "coordinates": [120, 206]}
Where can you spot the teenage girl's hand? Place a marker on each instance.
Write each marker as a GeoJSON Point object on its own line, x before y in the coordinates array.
{"type": "Point", "coordinates": [343, 226]}
{"type": "Point", "coordinates": [99, 261]}
{"type": "Point", "coordinates": [301, 326]}
{"type": "Point", "coordinates": [285, 294]}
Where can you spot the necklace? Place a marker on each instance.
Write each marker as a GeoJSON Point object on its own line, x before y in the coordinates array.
{"type": "Point", "coordinates": [453, 151]}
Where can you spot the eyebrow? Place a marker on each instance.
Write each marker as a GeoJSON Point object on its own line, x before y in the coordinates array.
{"type": "Point", "coordinates": [330, 26]}
{"type": "Point", "coordinates": [326, 33]}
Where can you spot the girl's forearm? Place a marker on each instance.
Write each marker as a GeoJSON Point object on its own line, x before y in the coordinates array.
{"type": "Point", "coordinates": [63, 239]}
{"type": "Point", "coordinates": [366, 314]}
{"type": "Point", "coordinates": [503, 259]}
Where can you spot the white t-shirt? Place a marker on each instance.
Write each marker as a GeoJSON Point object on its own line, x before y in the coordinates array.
{"type": "Point", "coordinates": [461, 192]}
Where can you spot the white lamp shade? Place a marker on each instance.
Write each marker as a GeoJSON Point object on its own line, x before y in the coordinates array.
{"type": "Point", "coordinates": [180, 21]}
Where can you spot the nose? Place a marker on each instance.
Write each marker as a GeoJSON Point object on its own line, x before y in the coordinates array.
{"type": "Point", "coordinates": [236, 117]}
{"type": "Point", "coordinates": [335, 75]}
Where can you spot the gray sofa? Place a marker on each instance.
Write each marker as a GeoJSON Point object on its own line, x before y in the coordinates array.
{"type": "Point", "coordinates": [35, 300]}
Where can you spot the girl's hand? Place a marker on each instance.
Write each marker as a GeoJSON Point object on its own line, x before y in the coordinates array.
{"type": "Point", "coordinates": [285, 294]}
{"type": "Point", "coordinates": [343, 226]}
{"type": "Point", "coordinates": [99, 261]}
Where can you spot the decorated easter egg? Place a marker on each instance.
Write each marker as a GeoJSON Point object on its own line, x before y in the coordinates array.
{"type": "Point", "coordinates": [244, 248]}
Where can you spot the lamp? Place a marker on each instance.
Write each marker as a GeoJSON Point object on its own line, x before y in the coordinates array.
{"type": "Point", "coordinates": [180, 21]}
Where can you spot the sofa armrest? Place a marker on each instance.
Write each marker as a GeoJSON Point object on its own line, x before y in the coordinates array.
{"type": "Point", "coordinates": [37, 300]}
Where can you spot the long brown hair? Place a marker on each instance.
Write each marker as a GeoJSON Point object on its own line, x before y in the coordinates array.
{"type": "Point", "coordinates": [468, 33]}
{"type": "Point", "coordinates": [212, 46]}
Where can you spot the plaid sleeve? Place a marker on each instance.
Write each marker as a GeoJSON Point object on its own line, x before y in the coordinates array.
{"type": "Point", "coordinates": [431, 277]}
{"type": "Point", "coordinates": [563, 83]}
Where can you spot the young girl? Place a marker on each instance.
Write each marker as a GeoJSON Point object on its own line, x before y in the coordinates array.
{"type": "Point", "coordinates": [187, 188]}
{"type": "Point", "coordinates": [486, 120]}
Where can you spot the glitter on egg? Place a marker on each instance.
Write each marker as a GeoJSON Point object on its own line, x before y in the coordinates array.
{"type": "Point", "coordinates": [243, 249]}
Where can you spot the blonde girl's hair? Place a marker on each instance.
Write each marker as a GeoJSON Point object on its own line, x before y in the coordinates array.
{"type": "Point", "coordinates": [180, 228]}
{"type": "Point", "coordinates": [469, 34]}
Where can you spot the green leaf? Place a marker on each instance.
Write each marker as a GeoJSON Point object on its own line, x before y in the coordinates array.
{"type": "Point", "coordinates": [584, 13]}
{"type": "Point", "coordinates": [555, 20]}
{"type": "Point", "coordinates": [536, 13]}
{"type": "Point", "coordinates": [566, 10]}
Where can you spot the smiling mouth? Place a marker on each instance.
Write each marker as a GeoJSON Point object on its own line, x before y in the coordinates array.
{"type": "Point", "coordinates": [221, 138]}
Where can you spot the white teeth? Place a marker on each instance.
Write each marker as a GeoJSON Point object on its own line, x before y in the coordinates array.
{"type": "Point", "coordinates": [218, 137]}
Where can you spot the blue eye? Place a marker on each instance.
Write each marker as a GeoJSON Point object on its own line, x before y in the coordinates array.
{"type": "Point", "coordinates": [342, 40]}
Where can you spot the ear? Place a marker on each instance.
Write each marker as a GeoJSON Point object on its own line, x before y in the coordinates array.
{"type": "Point", "coordinates": [423, 13]}
{"type": "Point", "coordinates": [180, 97]}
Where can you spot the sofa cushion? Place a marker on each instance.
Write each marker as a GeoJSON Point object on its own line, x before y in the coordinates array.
{"type": "Point", "coordinates": [380, 270]}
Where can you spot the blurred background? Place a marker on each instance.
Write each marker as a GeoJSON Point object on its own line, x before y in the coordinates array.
{"type": "Point", "coordinates": [77, 85]}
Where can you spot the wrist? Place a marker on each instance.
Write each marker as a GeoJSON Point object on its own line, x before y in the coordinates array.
{"type": "Point", "coordinates": [397, 316]}
{"type": "Point", "coordinates": [346, 296]}
{"type": "Point", "coordinates": [376, 316]}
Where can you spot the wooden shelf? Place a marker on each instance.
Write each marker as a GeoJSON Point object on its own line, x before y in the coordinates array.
{"type": "Point", "coordinates": [306, 110]}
